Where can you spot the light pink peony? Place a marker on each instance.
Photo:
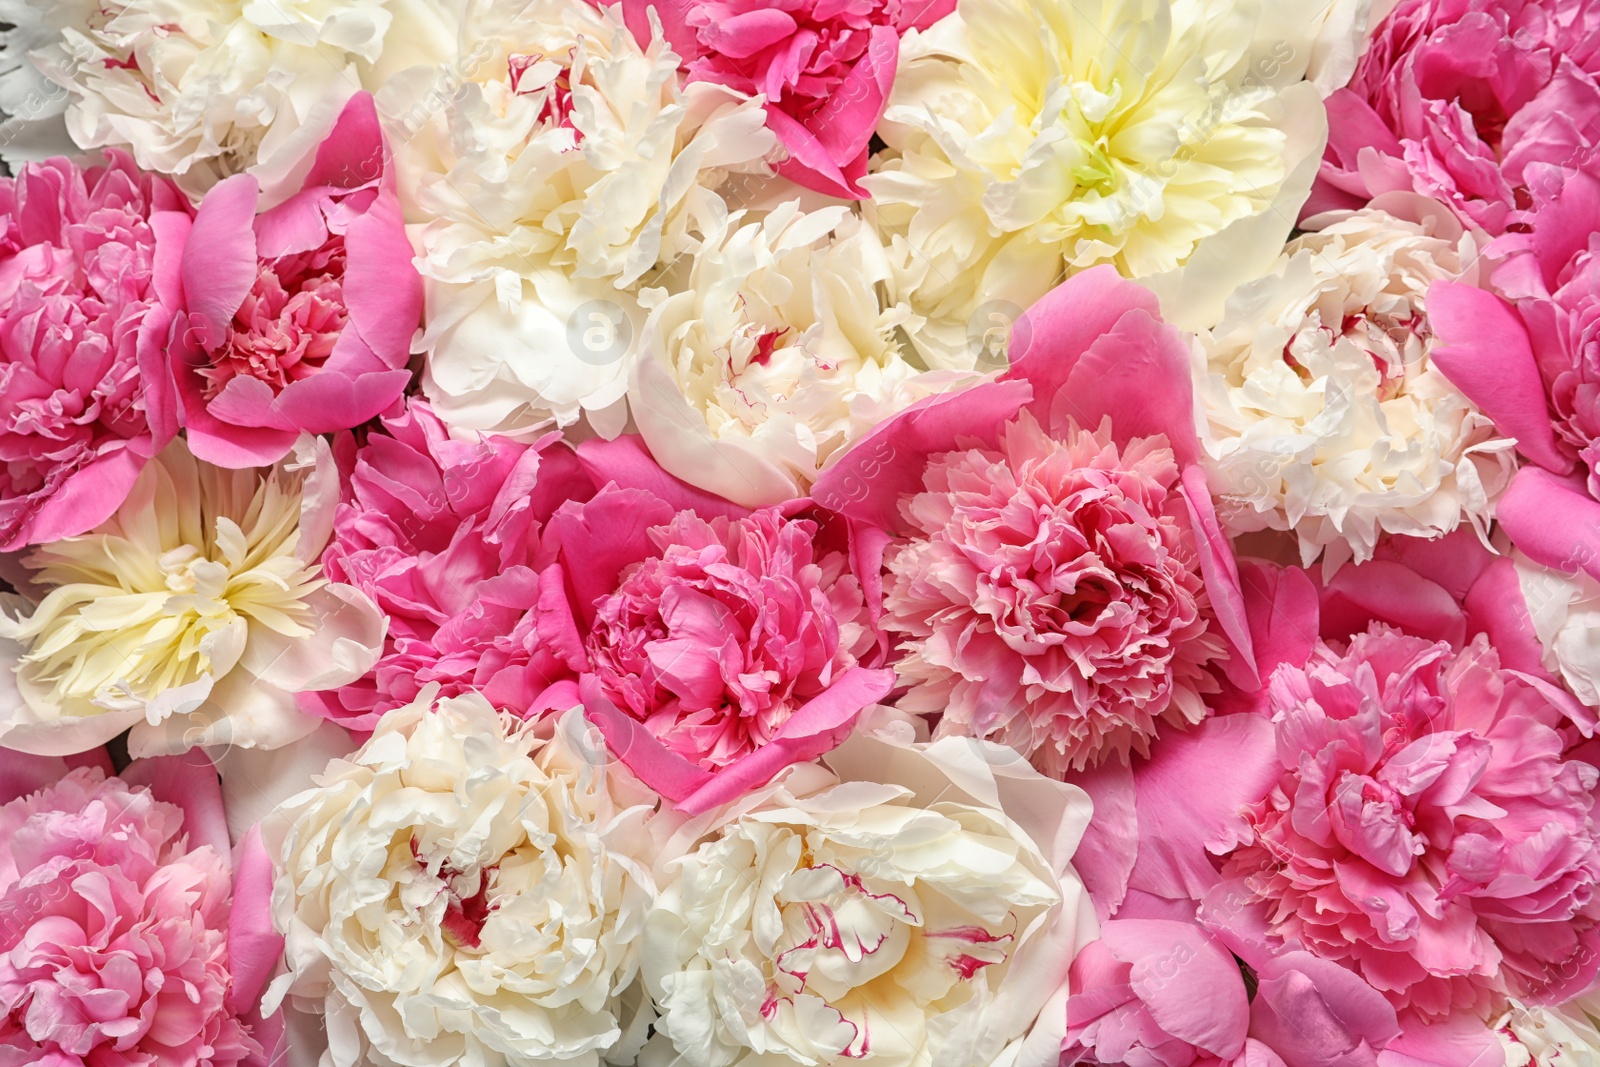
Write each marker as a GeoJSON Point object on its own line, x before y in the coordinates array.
{"type": "Point", "coordinates": [88, 282]}
{"type": "Point", "coordinates": [1048, 596]}
{"type": "Point", "coordinates": [443, 535]}
{"type": "Point", "coordinates": [1425, 830]}
{"type": "Point", "coordinates": [117, 946]}
{"type": "Point", "coordinates": [1460, 100]}
{"type": "Point", "coordinates": [298, 318]}
{"type": "Point", "coordinates": [719, 637]}
{"type": "Point", "coordinates": [1056, 575]}
{"type": "Point", "coordinates": [824, 66]}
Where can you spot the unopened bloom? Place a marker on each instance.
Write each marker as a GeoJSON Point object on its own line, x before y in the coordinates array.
{"type": "Point", "coordinates": [880, 912]}
{"type": "Point", "coordinates": [88, 283]}
{"type": "Point", "coordinates": [193, 615]}
{"type": "Point", "coordinates": [1029, 140]}
{"type": "Point", "coordinates": [1325, 413]}
{"type": "Point", "coordinates": [556, 171]}
{"type": "Point", "coordinates": [1426, 830]}
{"type": "Point", "coordinates": [461, 891]}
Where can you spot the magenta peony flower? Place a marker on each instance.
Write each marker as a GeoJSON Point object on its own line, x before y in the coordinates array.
{"type": "Point", "coordinates": [718, 638]}
{"type": "Point", "coordinates": [1061, 590]}
{"type": "Point", "coordinates": [1425, 830]}
{"type": "Point", "coordinates": [88, 281]}
{"type": "Point", "coordinates": [824, 66]}
{"type": "Point", "coordinates": [443, 535]}
{"type": "Point", "coordinates": [117, 942]}
{"type": "Point", "coordinates": [1459, 100]}
{"type": "Point", "coordinates": [299, 318]}
{"type": "Point", "coordinates": [1049, 596]}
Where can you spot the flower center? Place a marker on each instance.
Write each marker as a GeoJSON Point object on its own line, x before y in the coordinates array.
{"type": "Point", "coordinates": [288, 324]}
{"type": "Point", "coordinates": [467, 905]}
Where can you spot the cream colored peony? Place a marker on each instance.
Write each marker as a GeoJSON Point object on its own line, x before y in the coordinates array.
{"type": "Point", "coordinates": [463, 891]}
{"type": "Point", "coordinates": [914, 906]}
{"type": "Point", "coordinates": [208, 88]}
{"type": "Point", "coordinates": [1565, 610]}
{"type": "Point", "coordinates": [1323, 413]}
{"type": "Point", "coordinates": [1035, 138]}
{"type": "Point", "coordinates": [561, 165]}
{"type": "Point", "coordinates": [1564, 1036]}
{"type": "Point", "coordinates": [773, 353]}
{"type": "Point", "coordinates": [192, 616]}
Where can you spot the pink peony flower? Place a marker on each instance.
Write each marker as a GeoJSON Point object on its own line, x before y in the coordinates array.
{"type": "Point", "coordinates": [1062, 590]}
{"type": "Point", "coordinates": [117, 942]}
{"type": "Point", "coordinates": [299, 318]}
{"type": "Point", "coordinates": [88, 281]}
{"type": "Point", "coordinates": [724, 633]}
{"type": "Point", "coordinates": [824, 66]}
{"type": "Point", "coordinates": [443, 535]}
{"type": "Point", "coordinates": [1425, 829]}
{"type": "Point", "coordinates": [1049, 596]}
{"type": "Point", "coordinates": [1460, 100]}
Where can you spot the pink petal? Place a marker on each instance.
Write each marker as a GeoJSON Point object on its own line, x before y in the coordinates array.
{"type": "Point", "coordinates": [1191, 986]}
{"type": "Point", "coordinates": [219, 258]}
{"type": "Point", "coordinates": [1553, 520]}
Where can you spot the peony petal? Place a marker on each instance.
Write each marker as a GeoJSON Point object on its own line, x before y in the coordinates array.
{"type": "Point", "coordinates": [188, 781]}
{"type": "Point", "coordinates": [1381, 591]}
{"type": "Point", "coordinates": [253, 945]}
{"type": "Point", "coordinates": [219, 258]}
{"type": "Point", "coordinates": [1191, 986]}
{"type": "Point", "coordinates": [1554, 521]}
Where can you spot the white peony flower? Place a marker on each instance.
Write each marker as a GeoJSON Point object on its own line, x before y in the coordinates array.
{"type": "Point", "coordinates": [1323, 413]}
{"type": "Point", "coordinates": [773, 353]}
{"type": "Point", "coordinates": [1565, 611]}
{"type": "Point", "coordinates": [561, 165]}
{"type": "Point", "coordinates": [208, 88]}
{"type": "Point", "coordinates": [193, 615]}
{"type": "Point", "coordinates": [1564, 1036]}
{"type": "Point", "coordinates": [460, 891]}
{"type": "Point", "coordinates": [1035, 138]}
{"type": "Point", "coordinates": [914, 907]}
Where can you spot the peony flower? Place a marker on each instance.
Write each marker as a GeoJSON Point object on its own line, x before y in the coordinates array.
{"type": "Point", "coordinates": [443, 535]}
{"type": "Point", "coordinates": [1063, 571]}
{"type": "Point", "coordinates": [87, 283]}
{"type": "Point", "coordinates": [300, 318]}
{"type": "Point", "coordinates": [1463, 101]}
{"type": "Point", "coordinates": [1034, 140]}
{"type": "Point", "coordinates": [555, 172]}
{"type": "Point", "coordinates": [460, 891]}
{"type": "Point", "coordinates": [1325, 412]}
{"type": "Point", "coordinates": [730, 633]}
{"type": "Point", "coordinates": [192, 615]}
{"type": "Point", "coordinates": [825, 70]}
{"type": "Point", "coordinates": [913, 905]}
{"type": "Point", "coordinates": [216, 87]}
{"type": "Point", "coordinates": [119, 943]}
{"type": "Point", "coordinates": [1054, 576]}
{"type": "Point", "coordinates": [771, 355]}
{"type": "Point", "coordinates": [1425, 830]}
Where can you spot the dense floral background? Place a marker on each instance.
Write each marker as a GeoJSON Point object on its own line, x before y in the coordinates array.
{"type": "Point", "coordinates": [777, 533]}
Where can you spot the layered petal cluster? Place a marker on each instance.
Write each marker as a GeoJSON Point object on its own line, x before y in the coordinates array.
{"type": "Point", "coordinates": [1426, 830]}
{"type": "Point", "coordinates": [298, 319]}
{"type": "Point", "coordinates": [444, 536]}
{"type": "Point", "coordinates": [1552, 1036]}
{"type": "Point", "coordinates": [915, 905]}
{"type": "Point", "coordinates": [209, 89]}
{"type": "Point", "coordinates": [824, 68]}
{"type": "Point", "coordinates": [1325, 411]}
{"type": "Point", "coordinates": [772, 354]}
{"type": "Point", "coordinates": [88, 285]}
{"type": "Point", "coordinates": [1465, 102]}
{"type": "Point", "coordinates": [115, 946]}
{"type": "Point", "coordinates": [557, 165]}
{"type": "Point", "coordinates": [1055, 575]}
{"type": "Point", "coordinates": [193, 615]}
{"type": "Point", "coordinates": [461, 891]}
{"type": "Point", "coordinates": [1048, 596]}
{"type": "Point", "coordinates": [1031, 140]}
